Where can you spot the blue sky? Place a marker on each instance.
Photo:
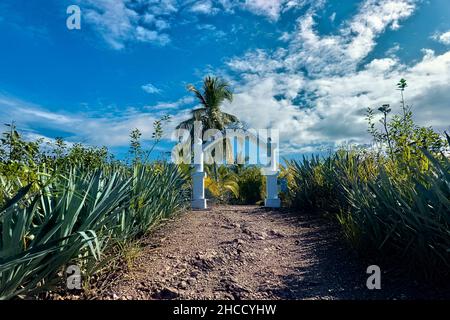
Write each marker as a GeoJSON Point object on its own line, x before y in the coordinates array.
{"type": "Point", "coordinates": [308, 68]}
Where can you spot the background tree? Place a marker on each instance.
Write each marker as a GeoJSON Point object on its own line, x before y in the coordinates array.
{"type": "Point", "coordinates": [404, 138]}
{"type": "Point", "coordinates": [215, 91]}
{"type": "Point", "coordinates": [135, 145]}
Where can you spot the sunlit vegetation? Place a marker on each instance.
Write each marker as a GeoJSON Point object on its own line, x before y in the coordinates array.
{"type": "Point", "coordinates": [235, 184]}
{"type": "Point", "coordinates": [392, 199]}
{"type": "Point", "coordinates": [62, 205]}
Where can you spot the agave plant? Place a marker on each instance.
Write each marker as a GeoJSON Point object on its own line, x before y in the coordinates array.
{"type": "Point", "coordinates": [41, 232]}
{"type": "Point", "coordinates": [156, 193]}
{"type": "Point", "coordinates": [79, 215]}
{"type": "Point", "coordinates": [412, 219]}
{"type": "Point", "coordinates": [381, 206]}
{"type": "Point", "coordinates": [312, 186]}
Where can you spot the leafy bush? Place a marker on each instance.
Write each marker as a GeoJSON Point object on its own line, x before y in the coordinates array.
{"type": "Point", "coordinates": [410, 218]}
{"type": "Point", "coordinates": [251, 185]}
{"type": "Point", "coordinates": [80, 215]}
{"type": "Point", "coordinates": [394, 199]}
{"type": "Point", "coordinates": [61, 205]}
{"type": "Point", "coordinates": [221, 183]}
{"type": "Point", "coordinates": [235, 184]}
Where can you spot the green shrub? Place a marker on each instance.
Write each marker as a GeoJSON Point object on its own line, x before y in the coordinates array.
{"type": "Point", "coordinates": [64, 205]}
{"type": "Point", "coordinates": [80, 215]}
{"type": "Point", "coordinates": [251, 185]}
{"type": "Point", "coordinates": [393, 200]}
{"type": "Point", "coordinates": [236, 184]}
{"type": "Point", "coordinates": [384, 211]}
{"type": "Point", "coordinates": [410, 218]}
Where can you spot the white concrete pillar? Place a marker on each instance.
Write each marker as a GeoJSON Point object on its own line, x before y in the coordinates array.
{"type": "Point", "coordinates": [198, 178]}
{"type": "Point", "coordinates": [272, 200]}
{"type": "Point", "coordinates": [198, 190]}
{"type": "Point", "coordinates": [274, 158]}
{"type": "Point", "coordinates": [198, 155]}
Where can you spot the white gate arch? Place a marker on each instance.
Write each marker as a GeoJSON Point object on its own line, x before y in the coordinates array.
{"type": "Point", "coordinates": [198, 176]}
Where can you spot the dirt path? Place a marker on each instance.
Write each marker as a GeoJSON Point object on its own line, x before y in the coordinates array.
{"type": "Point", "coordinates": [248, 252]}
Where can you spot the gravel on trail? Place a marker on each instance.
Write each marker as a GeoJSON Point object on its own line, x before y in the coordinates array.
{"type": "Point", "coordinates": [250, 252]}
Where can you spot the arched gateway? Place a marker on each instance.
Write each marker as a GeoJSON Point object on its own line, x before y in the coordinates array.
{"type": "Point", "coordinates": [271, 171]}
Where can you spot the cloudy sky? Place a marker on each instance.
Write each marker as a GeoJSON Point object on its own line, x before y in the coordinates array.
{"type": "Point", "coordinates": [309, 68]}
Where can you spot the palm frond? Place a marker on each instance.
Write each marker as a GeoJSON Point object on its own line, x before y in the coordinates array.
{"type": "Point", "coordinates": [187, 124]}
{"type": "Point", "coordinates": [229, 118]}
{"type": "Point", "coordinates": [198, 94]}
{"type": "Point", "coordinates": [199, 113]}
{"type": "Point", "coordinates": [215, 92]}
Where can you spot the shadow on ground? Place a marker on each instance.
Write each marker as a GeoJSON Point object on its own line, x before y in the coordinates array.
{"type": "Point", "coordinates": [335, 271]}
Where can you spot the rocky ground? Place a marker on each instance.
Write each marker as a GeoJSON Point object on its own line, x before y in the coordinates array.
{"type": "Point", "coordinates": [249, 252]}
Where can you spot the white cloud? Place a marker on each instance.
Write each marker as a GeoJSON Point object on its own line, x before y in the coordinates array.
{"type": "Point", "coordinates": [145, 35]}
{"type": "Point", "coordinates": [392, 51]}
{"type": "Point", "coordinates": [109, 130]}
{"type": "Point", "coordinates": [33, 136]}
{"type": "Point", "coordinates": [333, 17]}
{"type": "Point", "coordinates": [170, 106]}
{"type": "Point", "coordinates": [342, 52]}
{"type": "Point", "coordinates": [331, 110]}
{"type": "Point", "coordinates": [271, 9]}
{"type": "Point", "coordinates": [123, 22]}
{"type": "Point", "coordinates": [150, 88]}
{"type": "Point", "coordinates": [206, 26]}
{"type": "Point", "coordinates": [325, 106]}
{"type": "Point", "coordinates": [258, 61]}
{"type": "Point", "coordinates": [119, 22]}
{"type": "Point", "coordinates": [443, 37]}
{"type": "Point", "coordinates": [204, 7]}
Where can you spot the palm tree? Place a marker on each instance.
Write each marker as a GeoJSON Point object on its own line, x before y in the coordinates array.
{"type": "Point", "coordinates": [224, 185]}
{"type": "Point", "coordinates": [215, 92]}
